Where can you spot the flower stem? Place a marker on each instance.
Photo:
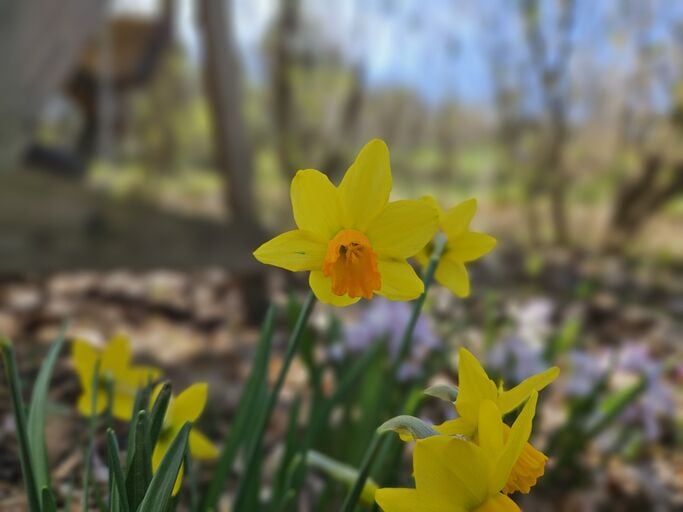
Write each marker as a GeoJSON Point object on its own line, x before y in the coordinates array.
{"type": "Point", "coordinates": [363, 472]}
{"type": "Point", "coordinates": [254, 445]}
{"type": "Point", "coordinates": [92, 430]}
{"type": "Point", "coordinates": [427, 278]}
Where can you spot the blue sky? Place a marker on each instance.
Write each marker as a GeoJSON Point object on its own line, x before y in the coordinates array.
{"type": "Point", "coordinates": [440, 48]}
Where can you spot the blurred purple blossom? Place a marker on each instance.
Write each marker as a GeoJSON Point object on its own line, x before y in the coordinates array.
{"type": "Point", "coordinates": [657, 401]}
{"type": "Point", "coordinates": [532, 320]}
{"type": "Point", "coordinates": [521, 354]}
{"type": "Point", "coordinates": [515, 360]}
{"type": "Point", "coordinates": [585, 372]}
{"type": "Point", "coordinates": [631, 361]}
{"type": "Point", "coordinates": [385, 320]}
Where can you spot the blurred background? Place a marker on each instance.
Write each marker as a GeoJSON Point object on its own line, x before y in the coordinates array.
{"type": "Point", "coordinates": [146, 148]}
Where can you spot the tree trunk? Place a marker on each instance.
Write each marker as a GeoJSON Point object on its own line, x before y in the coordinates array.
{"type": "Point", "coordinates": [223, 87]}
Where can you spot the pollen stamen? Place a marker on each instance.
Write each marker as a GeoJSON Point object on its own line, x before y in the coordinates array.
{"type": "Point", "coordinates": [352, 265]}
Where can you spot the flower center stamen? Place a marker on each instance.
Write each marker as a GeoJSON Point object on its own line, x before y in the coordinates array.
{"type": "Point", "coordinates": [352, 265]}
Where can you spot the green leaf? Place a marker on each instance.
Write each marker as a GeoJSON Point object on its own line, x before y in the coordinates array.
{"type": "Point", "coordinates": [36, 414]}
{"type": "Point", "coordinates": [49, 503]}
{"type": "Point", "coordinates": [160, 491]}
{"type": "Point", "coordinates": [253, 447]}
{"type": "Point", "coordinates": [291, 447]}
{"type": "Point", "coordinates": [139, 471]}
{"type": "Point", "coordinates": [159, 409]}
{"type": "Point", "coordinates": [407, 427]}
{"type": "Point", "coordinates": [20, 422]}
{"type": "Point", "coordinates": [612, 407]}
{"type": "Point", "coordinates": [245, 410]}
{"type": "Point", "coordinates": [118, 499]}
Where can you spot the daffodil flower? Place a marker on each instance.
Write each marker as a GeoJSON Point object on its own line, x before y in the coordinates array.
{"type": "Point", "coordinates": [456, 475]}
{"type": "Point", "coordinates": [462, 245]}
{"type": "Point", "coordinates": [186, 407]}
{"type": "Point", "coordinates": [115, 370]}
{"type": "Point", "coordinates": [475, 387]}
{"type": "Point", "coordinates": [351, 239]}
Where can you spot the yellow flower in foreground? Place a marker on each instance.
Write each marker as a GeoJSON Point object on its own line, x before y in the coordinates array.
{"type": "Point", "coordinates": [462, 245]}
{"type": "Point", "coordinates": [455, 475]}
{"type": "Point", "coordinates": [114, 368]}
{"type": "Point", "coordinates": [351, 238]}
{"type": "Point", "coordinates": [187, 406]}
{"type": "Point", "coordinates": [475, 387]}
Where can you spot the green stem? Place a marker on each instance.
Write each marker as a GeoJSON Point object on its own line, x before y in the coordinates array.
{"type": "Point", "coordinates": [20, 421]}
{"type": "Point", "coordinates": [427, 278]}
{"type": "Point", "coordinates": [262, 420]}
{"type": "Point", "coordinates": [363, 472]}
{"type": "Point", "coordinates": [92, 428]}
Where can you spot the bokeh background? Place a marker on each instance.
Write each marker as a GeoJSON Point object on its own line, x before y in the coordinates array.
{"type": "Point", "coordinates": [146, 148]}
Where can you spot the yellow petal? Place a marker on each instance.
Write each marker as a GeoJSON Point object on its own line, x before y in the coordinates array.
{"type": "Point", "coordinates": [293, 250]}
{"type": "Point", "coordinates": [403, 229]}
{"type": "Point", "coordinates": [136, 377]}
{"type": "Point", "coordinates": [160, 450]}
{"type": "Point", "coordinates": [528, 468]}
{"type": "Point", "coordinates": [456, 427]}
{"type": "Point", "coordinates": [399, 280]}
{"type": "Point", "coordinates": [189, 404]}
{"type": "Point", "coordinates": [519, 435]}
{"type": "Point", "coordinates": [122, 408]}
{"type": "Point", "coordinates": [365, 188]}
{"type": "Point", "coordinates": [404, 500]}
{"type": "Point", "coordinates": [431, 201]}
{"type": "Point", "coordinates": [84, 357]}
{"type": "Point", "coordinates": [179, 479]}
{"type": "Point", "coordinates": [116, 355]}
{"type": "Point", "coordinates": [510, 399]}
{"type": "Point", "coordinates": [84, 404]}
{"type": "Point", "coordinates": [453, 275]}
{"type": "Point", "coordinates": [490, 429]}
{"type": "Point", "coordinates": [499, 503]}
{"type": "Point", "coordinates": [473, 386]}
{"type": "Point", "coordinates": [456, 220]}
{"type": "Point", "coordinates": [470, 246]}
{"type": "Point", "coordinates": [322, 288]}
{"type": "Point", "coordinates": [444, 478]}
{"type": "Point", "coordinates": [316, 204]}
{"type": "Point", "coordinates": [201, 447]}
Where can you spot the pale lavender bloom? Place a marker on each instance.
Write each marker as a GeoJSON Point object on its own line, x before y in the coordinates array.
{"type": "Point", "coordinates": [385, 320]}
{"type": "Point", "coordinates": [657, 401]}
{"type": "Point", "coordinates": [533, 320]}
{"type": "Point", "coordinates": [521, 355]}
{"type": "Point", "coordinates": [516, 360]}
{"type": "Point", "coordinates": [587, 369]}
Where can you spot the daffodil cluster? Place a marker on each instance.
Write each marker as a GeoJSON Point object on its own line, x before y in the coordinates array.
{"type": "Point", "coordinates": [474, 462]}
{"type": "Point", "coordinates": [355, 243]}
{"type": "Point", "coordinates": [109, 381]}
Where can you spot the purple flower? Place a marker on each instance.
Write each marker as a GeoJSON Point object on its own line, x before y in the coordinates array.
{"type": "Point", "coordinates": [657, 401]}
{"type": "Point", "coordinates": [587, 369]}
{"type": "Point", "coordinates": [516, 360]}
{"type": "Point", "coordinates": [385, 320]}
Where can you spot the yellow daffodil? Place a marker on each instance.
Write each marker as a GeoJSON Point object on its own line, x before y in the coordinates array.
{"type": "Point", "coordinates": [475, 387]}
{"type": "Point", "coordinates": [456, 475]}
{"type": "Point", "coordinates": [351, 239]}
{"type": "Point", "coordinates": [187, 406]}
{"type": "Point", "coordinates": [462, 245]}
{"type": "Point", "coordinates": [115, 370]}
